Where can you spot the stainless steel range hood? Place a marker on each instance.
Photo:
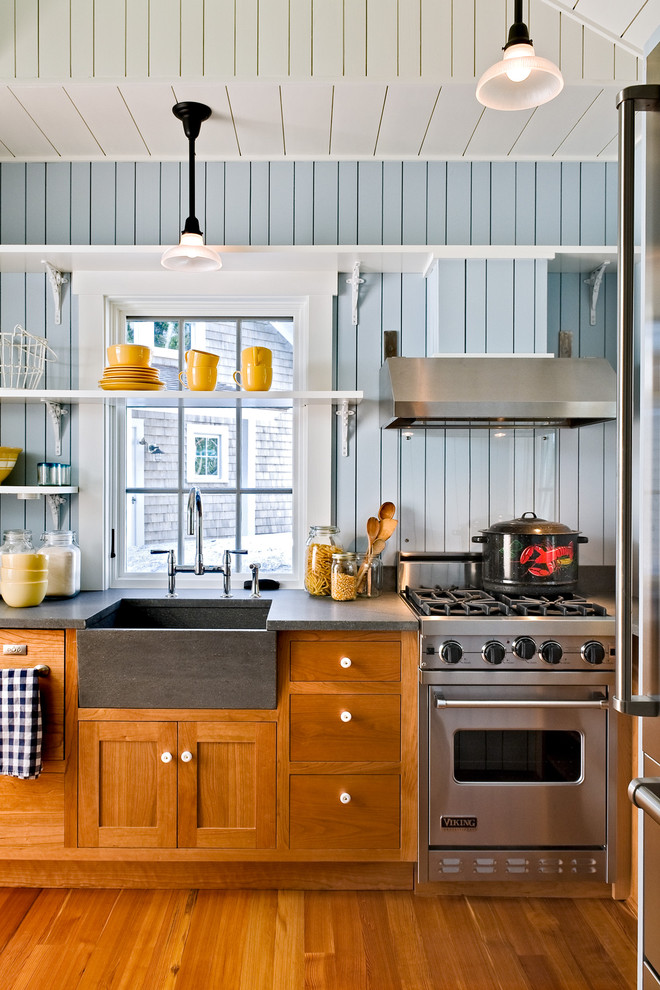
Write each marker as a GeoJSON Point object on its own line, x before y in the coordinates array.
{"type": "Point", "coordinates": [495, 391]}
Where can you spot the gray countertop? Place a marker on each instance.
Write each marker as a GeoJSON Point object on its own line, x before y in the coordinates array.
{"type": "Point", "coordinates": [289, 610]}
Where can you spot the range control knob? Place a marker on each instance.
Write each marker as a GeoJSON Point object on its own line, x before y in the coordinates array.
{"type": "Point", "coordinates": [493, 652]}
{"type": "Point", "coordinates": [451, 651]}
{"type": "Point", "coordinates": [593, 652]}
{"type": "Point", "coordinates": [524, 648]}
{"type": "Point", "coordinates": [551, 652]}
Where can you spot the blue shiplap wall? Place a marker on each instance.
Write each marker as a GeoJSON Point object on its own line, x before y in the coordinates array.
{"type": "Point", "coordinates": [445, 486]}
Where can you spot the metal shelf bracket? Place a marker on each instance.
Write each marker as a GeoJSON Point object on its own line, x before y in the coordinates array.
{"type": "Point", "coordinates": [56, 411]}
{"type": "Point", "coordinates": [355, 282]}
{"type": "Point", "coordinates": [54, 503]}
{"type": "Point", "coordinates": [594, 282]}
{"type": "Point", "coordinates": [57, 280]}
{"type": "Point", "coordinates": [344, 412]}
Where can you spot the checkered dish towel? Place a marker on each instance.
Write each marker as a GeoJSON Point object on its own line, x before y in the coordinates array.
{"type": "Point", "coordinates": [20, 723]}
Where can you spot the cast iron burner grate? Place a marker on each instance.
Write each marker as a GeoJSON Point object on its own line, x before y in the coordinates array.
{"type": "Point", "coordinates": [474, 601]}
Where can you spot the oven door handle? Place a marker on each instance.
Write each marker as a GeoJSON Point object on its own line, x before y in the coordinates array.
{"type": "Point", "coordinates": [644, 792]}
{"type": "Point", "coordinates": [441, 702]}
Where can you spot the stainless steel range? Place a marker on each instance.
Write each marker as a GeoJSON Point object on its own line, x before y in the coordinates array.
{"type": "Point", "coordinates": [517, 746]}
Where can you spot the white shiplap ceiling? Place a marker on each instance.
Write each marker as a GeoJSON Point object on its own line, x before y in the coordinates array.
{"type": "Point", "coordinates": [293, 79]}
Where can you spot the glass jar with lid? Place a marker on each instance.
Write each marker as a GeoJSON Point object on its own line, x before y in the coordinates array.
{"type": "Point", "coordinates": [343, 577]}
{"type": "Point", "coordinates": [63, 554]}
{"type": "Point", "coordinates": [17, 541]}
{"type": "Point", "coordinates": [322, 542]}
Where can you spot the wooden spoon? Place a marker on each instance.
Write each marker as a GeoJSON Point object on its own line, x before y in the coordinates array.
{"type": "Point", "coordinates": [386, 510]}
{"type": "Point", "coordinates": [373, 526]}
{"type": "Point", "coordinates": [386, 528]}
{"type": "Point", "coordinates": [378, 547]}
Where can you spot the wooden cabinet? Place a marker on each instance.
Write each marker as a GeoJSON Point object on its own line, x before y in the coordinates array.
{"type": "Point", "coordinates": [349, 726]}
{"type": "Point", "coordinates": [163, 784]}
{"type": "Point", "coordinates": [41, 647]}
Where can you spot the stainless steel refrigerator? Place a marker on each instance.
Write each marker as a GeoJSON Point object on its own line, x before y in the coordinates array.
{"type": "Point", "coordinates": [638, 515]}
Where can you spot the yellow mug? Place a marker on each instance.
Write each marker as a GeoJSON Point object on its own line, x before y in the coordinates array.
{"type": "Point", "coordinates": [256, 374]}
{"type": "Point", "coordinates": [202, 359]}
{"type": "Point", "coordinates": [200, 378]}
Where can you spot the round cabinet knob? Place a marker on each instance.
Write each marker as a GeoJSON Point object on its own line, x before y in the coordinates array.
{"type": "Point", "coordinates": [593, 652]}
{"type": "Point", "coordinates": [344, 798]}
{"type": "Point", "coordinates": [186, 756]}
{"type": "Point", "coordinates": [551, 652]}
{"type": "Point", "coordinates": [346, 662]}
{"type": "Point", "coordinates": [346, 716]}
{"type": "Point", "coordinates": [524, 648]}
{"type": "Point", "coordinates": [493, 652]}
{"type": "Point", "coordinates": [166, 757]}
{"type": "Point", "coordinates": [451, 651]}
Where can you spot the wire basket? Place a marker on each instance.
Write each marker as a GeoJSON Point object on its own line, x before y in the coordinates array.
{"type": "Point", "coordinates": [23, 358]}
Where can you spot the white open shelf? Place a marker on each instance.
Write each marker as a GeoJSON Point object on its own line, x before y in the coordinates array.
{"type": "Point", "coordinates": [219, 398]}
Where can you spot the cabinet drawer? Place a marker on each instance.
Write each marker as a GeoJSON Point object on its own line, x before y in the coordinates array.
{"type": "Point", "coordinates": [43, 646]}
{"type": "Point", "coordinates": [346, 811]}
{"type": "Point", "coordinates": [345, 727]}
{"type": "Point", "coordinates": [345, 660]}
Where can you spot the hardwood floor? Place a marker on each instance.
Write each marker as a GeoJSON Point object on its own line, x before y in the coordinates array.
{"type": "Point", "coordinates": [295, 940]}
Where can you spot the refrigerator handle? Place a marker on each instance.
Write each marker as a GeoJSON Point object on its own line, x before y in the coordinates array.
{"type": "Point", "coordinates": [644, 792]}
{"type": "Point", "coordinates": [629, 100]}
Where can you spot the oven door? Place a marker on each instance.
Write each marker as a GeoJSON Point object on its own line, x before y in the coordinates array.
{"type": "Point", "coordinates": [517, 766]}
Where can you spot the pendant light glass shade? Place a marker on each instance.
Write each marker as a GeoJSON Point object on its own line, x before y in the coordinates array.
{"type": "Point", "coordinates": [522, 79]}
{"type": "Point", "coordinates": [191, 254]}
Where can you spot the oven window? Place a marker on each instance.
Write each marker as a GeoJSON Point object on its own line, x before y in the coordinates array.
{"type": "Point", "coordinates": [534, 756]}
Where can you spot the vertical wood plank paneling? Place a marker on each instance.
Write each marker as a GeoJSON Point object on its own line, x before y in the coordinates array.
{"type": "Point", "coordinates": [303, 203]}
{"type": "Point", "coordinates": [598, 57]}
{"type": "Point", "coordinates": [548, 202]}
{"type": "Point", "coordinates": [457, 489]}
{"type": "Point", "coordinates": [392, 202]}
{"type": "Point", "coordinates": [523, 472]}
{"type": "Point", "coordinates": [480, 203]}
{"type": "Point", "coordinates": [219, 56]}
{"type": "Point", "coordinates": [368, 339]}
{"type": "Point", "coordinates": [137, 39]}
{"type": "Point", "coordinates": [499, 307]}
{"type": "Point", "coordinates": [569, 308]}
{"type": "Point", "coordinates": [171, 197]}
{"type": "Point", "coordinates": [409, 31]}
{"type": "Point", "coordinates": [475, 306]}
{"type": "Point", "coordinates": [590, 493]}
{"type": "Point", "coordinates": [545, 474]}
{"type": "Point", "coordinates": [436, 492]}
{"type": "Point", "coordinates": [525, 203]}
{"type": "Point", "coordinates": [479, 504]}
{"type": "Point", "coordinates": [300, 37]}
{"type": "Point", "coordinates": [413, 315]}
{"type": "Point", "coordinates": [273, 48]}
{"type": "Point", "coordinates": [571, 48]}
{"type": "Point", "coordinates": [82, 38]}
{"type": "Point", "coordinates": [125, 203]}
{"type": "Point", "coordinates": [26, 38]}
{"type": "Point", "coordinates": [327, 39]}
{"type": "Point", "coordinates": [12, 415]}
{"type": "Point", "coordinates": [58, 203]}
{"type": "Point", "coordinates": [355, 39]}
{"type": "Point", "coordinates": [609, 494]}
{"type": "Point", "coordinates": [259, 202]}
{"type": "Point", "coordinates": [147, 203]}
{"type": "Point", "coordinates": [12, 202]}
{"type": "Point", "coordinates": [553, 312]}
{"type": "Point", "coordinates": [611, 202]}
{"type": "Point", "coordinates": [569, 473]}
{"type": "Point", "coordinates": [382, 38]}
{"type": "Point", "coordinates": [7, 52]}
{"type": "Point", "coordinates": [436, 37]}
{"type": "Point", "coordinates": [609, 288]}
{"type": "Point", "coordinates": [192, 38]}
{"type": "Point", "coordinates": [370, 203]}
{"type": "Point", "coordinates": [570, 203]}
{"type": "Point", "coordinates": [35, 215]}
{"type": "Point", "coordinates": [541, 307]}
{"type": "Point", "coordinates": [502, 472]}
{"type": "Point", "coordinates": [36, 438]}
{"type": "Point", "coordinates": [413, 203]}
{"type": "Point", "coordinates": [592, 200]}
{"type": "Point", "coordinates": [102, 209]}
{"type": "Point", "coordinates": [348, 202]}
{"type": "Point", "coordinates": [325, 203]}
{"type": "Point", "coordinates": [459, 176]}
{"type": "Point", "coordinates": [436, 204]}
{"type": "Point", "coordinates": [345, 377]}
{"type": "Point", "coordinates": [165, 39]}
{"type": "Point", "coordinates": [412, 486]}
{"type": "Point", "coordinates": [390, 440]}
{"type": "Point", "coordinates": [215, 203]}
{"type": "Point", "coordinates": [237, 203]}
{"type": "Point", "coordinates": [109, 39]}
{"type": "Point", "coordinates": [524, 306]}
{"type": "Point", "coordinates": [246, 14]}
{"type": "Point", "coordinates": [451, 308]}
{"type": "Point", "coordinates": [463, 41]}
{"type": "Point", "coordinates": [503, 203]}
{"type": "Point", "coordinates": [81, 213]}
{"type": "Point", "coordinates": [281, 212]}
{"type": "Point", "coordinates": [490, 23]}
{"type": "Point", "coordinates": [54, 40]}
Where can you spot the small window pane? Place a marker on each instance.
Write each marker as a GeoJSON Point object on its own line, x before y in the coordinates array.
{"type": "Point", "coordinates": [152, 522]}
{"type": "Point", "coordinates": [277, 335]}
{"type": "Point", "coordinates": [267, 453]}
{"type": "Point", "coordinates": [218, 337]}
{"type": "Point", "coordinates": [219, 531]}
{"type": "Point", "coordinates": [267, 525]}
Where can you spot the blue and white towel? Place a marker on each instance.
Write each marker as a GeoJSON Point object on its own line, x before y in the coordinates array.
{"type": "Point", "coordinates": [20, 723]}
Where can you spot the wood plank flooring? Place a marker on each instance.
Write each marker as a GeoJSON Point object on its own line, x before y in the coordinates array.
{"type": "Point", "coordinates": [295, 940]}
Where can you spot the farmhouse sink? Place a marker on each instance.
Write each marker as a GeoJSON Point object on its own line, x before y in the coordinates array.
{"type": "Point", "coordinates": [169, 653]}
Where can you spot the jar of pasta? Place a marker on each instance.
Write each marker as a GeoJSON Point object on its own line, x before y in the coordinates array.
{"type": "Point", "coordinates": [322, 542]}
{"type": "Point", "coordinates": [343, 580]}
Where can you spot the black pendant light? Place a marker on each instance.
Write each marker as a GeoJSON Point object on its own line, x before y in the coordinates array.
{"type": "Point", "coordinates": [191, 254]}
{"type": "Point", "coordinates": [522, 79]}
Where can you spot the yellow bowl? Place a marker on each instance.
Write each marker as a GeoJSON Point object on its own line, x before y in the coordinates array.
{"type": "Point", "coordinates": [135, 354]}
{"type": "Point", "coordinates": [33, 574]}
{"type": "Point", "coordinates": [25, 594]}
{"type": "Point", "coordinates": [22, 561]}
{"type": "Point", "coordinates": [8, 457]}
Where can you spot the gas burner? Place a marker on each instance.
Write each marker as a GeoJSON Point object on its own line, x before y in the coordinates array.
{"type": "Point", "coordinates": [543, 605]}
{"type": "Point", "coordinates": [438, 601]}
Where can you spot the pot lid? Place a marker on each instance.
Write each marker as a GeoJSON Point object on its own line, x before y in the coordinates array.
{"type": "Point", "coordinates": [528, 523]}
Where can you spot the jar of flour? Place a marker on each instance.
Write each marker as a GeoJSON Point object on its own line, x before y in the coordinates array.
{"type": "Point", "coordinates": [63, 554]}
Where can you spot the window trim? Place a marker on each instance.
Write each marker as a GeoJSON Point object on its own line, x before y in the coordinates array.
{"type": "Point", "coordinates": [219, 433]}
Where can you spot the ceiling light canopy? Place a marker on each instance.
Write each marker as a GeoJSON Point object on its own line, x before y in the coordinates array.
{"type": "Point", "coordinates": [522, 79]}
{"type": "Point", "coordinates": [191, 254]}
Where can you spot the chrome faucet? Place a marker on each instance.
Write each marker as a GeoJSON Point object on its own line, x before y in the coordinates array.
{"type": "Point", "coordinates": [195, 527]}
{"type": "Point", "coordinates": [226, 571]}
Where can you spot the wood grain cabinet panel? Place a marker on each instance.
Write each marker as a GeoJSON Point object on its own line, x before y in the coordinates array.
{"type": "Point", "coordinates": [339, 727]}
{"type": "Point", "coordinates": [42, 646]}
{"type": "Point", "coordinates": [346, 661]}
{"type": "Point", "coordinates": [344, 811]}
